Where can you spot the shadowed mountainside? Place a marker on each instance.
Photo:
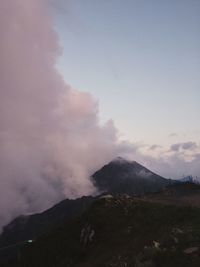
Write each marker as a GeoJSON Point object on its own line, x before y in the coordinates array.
{"type": "Point", "coordinates": [30, 227]}
{"type": "Point", "coordinates": [117, 232]}
{"type": "Point", "coordinates": [123, 176]}
{"type": "Point", "coordinates": [119, 176]}
{"type": "Point", "coordinates": [102, 231]}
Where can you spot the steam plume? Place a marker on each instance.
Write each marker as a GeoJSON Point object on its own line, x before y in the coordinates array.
{"type": "Point", "coordinates": [50, 137]}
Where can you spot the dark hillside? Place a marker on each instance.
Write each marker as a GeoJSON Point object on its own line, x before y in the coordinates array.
{"type": "Point", "coordinates": [30, 227]}
{"type": "Point", "coordinates": [120, 232]}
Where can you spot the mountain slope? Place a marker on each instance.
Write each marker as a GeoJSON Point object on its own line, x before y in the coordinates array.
{"type": "Point", "coordinates": [123, 176]}
{"type": "Point", "coordinates": [120, 232]}
{"type": "Point", "coordinates": [30, 227]}
{"type": "Point", "coordinates": [119, 176]}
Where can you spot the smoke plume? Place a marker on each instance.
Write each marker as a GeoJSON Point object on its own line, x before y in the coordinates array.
{"type": "Point", "coordinates": [50, 138]}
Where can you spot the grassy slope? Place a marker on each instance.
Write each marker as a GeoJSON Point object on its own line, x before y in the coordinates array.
{"type": "Point", "coordinates": [124, 233]}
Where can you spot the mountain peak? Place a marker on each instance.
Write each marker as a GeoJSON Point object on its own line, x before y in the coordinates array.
{"type": "Point", "coordinates": [125, 176]}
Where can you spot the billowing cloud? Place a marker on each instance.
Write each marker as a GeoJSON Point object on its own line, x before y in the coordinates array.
{"type": "Point", "coordinates": [50, 137]}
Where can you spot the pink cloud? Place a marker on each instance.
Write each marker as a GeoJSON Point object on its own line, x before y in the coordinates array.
{"type": "Point", "coordinates": [50, 136]}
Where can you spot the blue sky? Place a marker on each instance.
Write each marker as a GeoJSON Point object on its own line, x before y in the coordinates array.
{"type": "Point", "coordinates": [140, 60]}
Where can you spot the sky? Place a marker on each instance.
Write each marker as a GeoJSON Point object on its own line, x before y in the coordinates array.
{"type": "Point", "coordinates": [140, 60]}
{"type": "Point", "coordinates": [83, 82]}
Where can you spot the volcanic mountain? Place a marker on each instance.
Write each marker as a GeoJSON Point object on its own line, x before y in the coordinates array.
{"type": "Point", "coordinates": [117, 177]}
{"type": "Point", "coordinates": [123, 176]}
{"type": "Point", "coordinates": [112, 230]}
{"type": "Point", "coordinates": [120, 176]}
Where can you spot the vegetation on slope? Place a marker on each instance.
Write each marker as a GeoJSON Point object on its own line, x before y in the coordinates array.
{"type": "Point", "coordinates": [120, 232]}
